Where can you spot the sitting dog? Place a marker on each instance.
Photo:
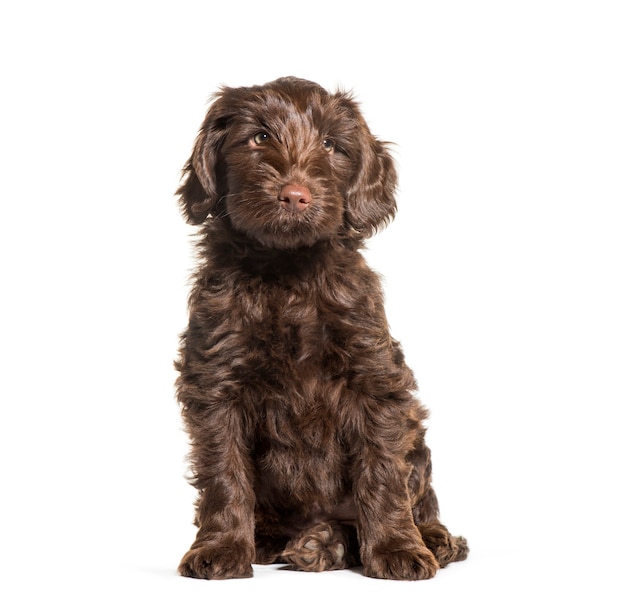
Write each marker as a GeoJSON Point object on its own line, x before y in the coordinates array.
{"type": "Point", "coordinates": [307, 440]}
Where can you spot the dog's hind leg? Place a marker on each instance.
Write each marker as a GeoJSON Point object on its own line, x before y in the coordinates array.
{"type": "Point", "coordinates": [446, 547]}
{"type": "Point", "coordinates": [326, 546]}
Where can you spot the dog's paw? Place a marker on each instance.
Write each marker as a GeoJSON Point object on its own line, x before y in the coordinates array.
{"type": "Point", "coordinates": [321, 548]}
{"type": "Point", "coordinates": [446, 548]}
{"type": "Point", "coordinates": [210, 562]}
{"type": "Point", "coordinates": [408, 564]}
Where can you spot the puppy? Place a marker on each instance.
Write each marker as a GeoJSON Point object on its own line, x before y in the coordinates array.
{"type": "Point", "coordinates": [307, 440]}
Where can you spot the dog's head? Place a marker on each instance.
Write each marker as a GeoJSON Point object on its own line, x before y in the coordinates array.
{"type": "Point", "coordinates": [288, 164]}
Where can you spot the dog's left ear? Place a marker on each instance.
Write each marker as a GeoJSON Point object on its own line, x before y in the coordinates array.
{"type": "Point", "coordinates": [371, 201]}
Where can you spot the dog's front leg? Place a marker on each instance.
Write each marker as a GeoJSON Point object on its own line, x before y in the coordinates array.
{"type": "Point", "coordinates": [224, 545]}
{"type": "Point", "coordinates": [391, 544]}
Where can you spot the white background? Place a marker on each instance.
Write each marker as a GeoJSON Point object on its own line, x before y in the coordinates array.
{"type": "Point", "coordinates": [504, 278]}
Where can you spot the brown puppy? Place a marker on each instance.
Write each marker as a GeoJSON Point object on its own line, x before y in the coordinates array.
{"type": "Point", "coordinates": [307, 443]}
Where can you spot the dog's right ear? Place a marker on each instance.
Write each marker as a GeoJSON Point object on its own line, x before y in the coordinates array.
{"type": "Point", "coordinates": [203, 185]}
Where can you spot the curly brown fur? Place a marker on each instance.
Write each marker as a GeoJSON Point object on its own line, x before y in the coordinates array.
{"type": "Point", "coordinates": [307, 440]}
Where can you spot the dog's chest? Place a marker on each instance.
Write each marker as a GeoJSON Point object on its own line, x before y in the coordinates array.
{"type": "Point", "coordinates": [296, 379]}
{"type": "Point", "coordinates": [292, 331]}
{"type": "Point", "coordinates": [296, 353]}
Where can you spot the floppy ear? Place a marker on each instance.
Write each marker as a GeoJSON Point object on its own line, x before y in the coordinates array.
{"type": "Point", "coordinates": [202, 185]}
{"type": "Point", "coordinates": [371, 199]}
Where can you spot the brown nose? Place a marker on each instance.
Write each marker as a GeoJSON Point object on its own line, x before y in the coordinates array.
{"type": "Point", "coordinates": [295, 197]}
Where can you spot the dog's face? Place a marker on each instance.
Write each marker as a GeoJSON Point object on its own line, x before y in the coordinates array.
{"type": "Point", "coordinates": [289, 165]}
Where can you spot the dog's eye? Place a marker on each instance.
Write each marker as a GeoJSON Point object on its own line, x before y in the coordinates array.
{"type": "Point", "coordinates": [328, 145]}
{"type": "Point", "coordinates": [260, 138]}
